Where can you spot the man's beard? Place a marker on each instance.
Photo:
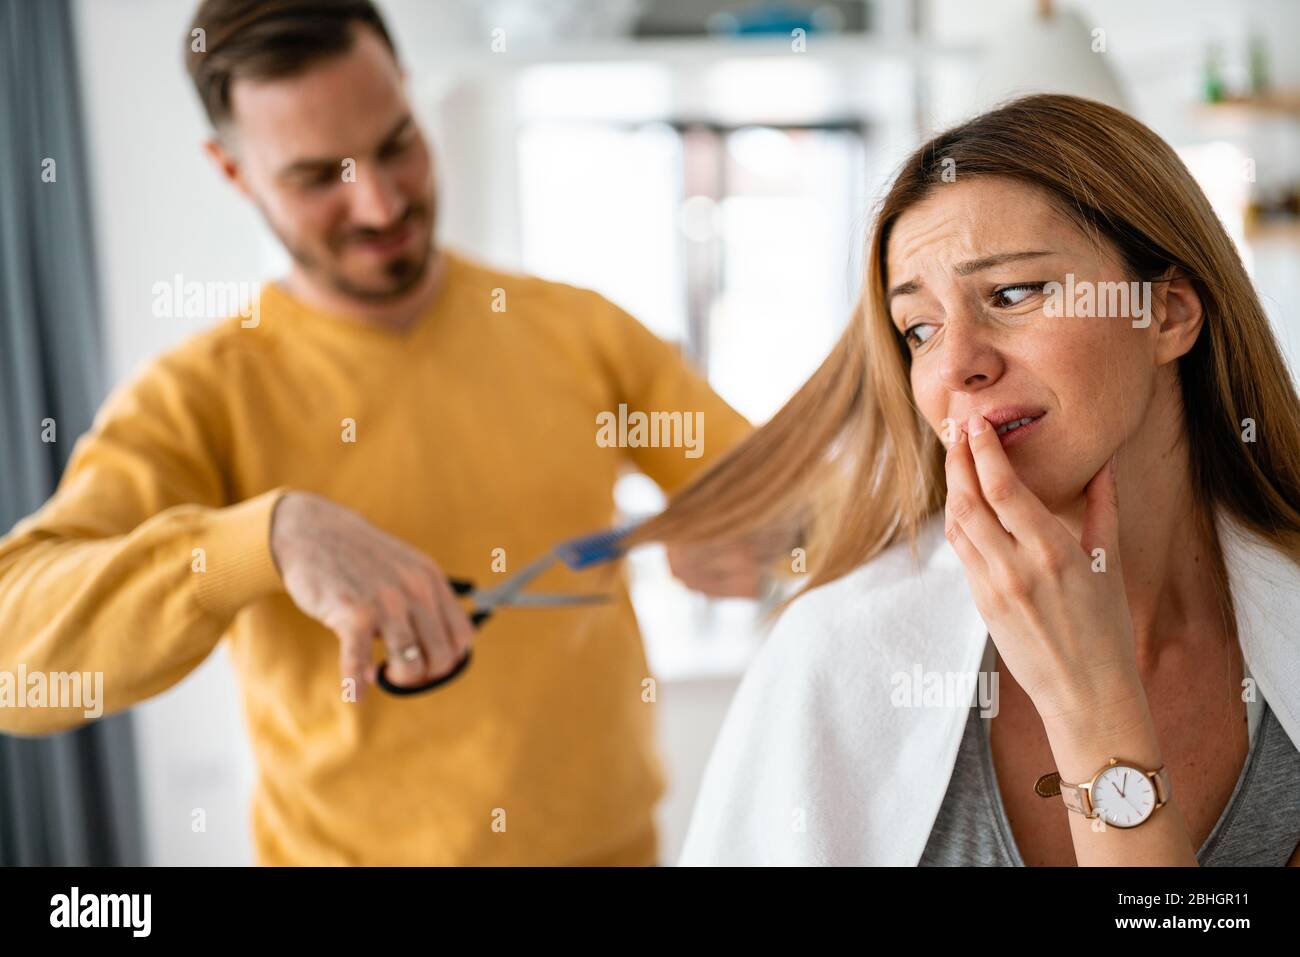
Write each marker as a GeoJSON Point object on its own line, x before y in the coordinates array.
{"type": "Point", "coordinates": [404, 272]}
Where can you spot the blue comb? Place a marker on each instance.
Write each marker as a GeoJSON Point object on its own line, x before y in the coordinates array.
{"type": "Point", "coordinates": [594, 549]}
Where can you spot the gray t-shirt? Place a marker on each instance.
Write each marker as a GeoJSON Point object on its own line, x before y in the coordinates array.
{"type": "Point", "coordinates": [1259, 826]}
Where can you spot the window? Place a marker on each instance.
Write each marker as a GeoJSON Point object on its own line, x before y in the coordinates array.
{"type": "Point", "coordinates": [735, 240]}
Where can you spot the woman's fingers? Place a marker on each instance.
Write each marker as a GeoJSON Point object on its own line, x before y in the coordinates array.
{"type": "Point", "coordinates": [966, 505]}
{"type": "Point", "coordinates": [966, 551]}
{"type": "Point", "coordinates": [1101, 512]}
{"type": "Point", "coordinates": [1019, 509]}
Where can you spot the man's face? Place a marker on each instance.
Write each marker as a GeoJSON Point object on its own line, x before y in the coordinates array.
{"type": "Point", "coordinates": [335, 161]}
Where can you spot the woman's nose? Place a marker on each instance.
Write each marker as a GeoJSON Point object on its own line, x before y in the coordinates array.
{"type": "Point", "coordinates": [968, 359]}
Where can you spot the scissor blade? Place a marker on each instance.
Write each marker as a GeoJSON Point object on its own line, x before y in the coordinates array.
{"type": "Point", "coordinates": [554, 601]}
{"type": "Point", "coordinates": [501, 595]}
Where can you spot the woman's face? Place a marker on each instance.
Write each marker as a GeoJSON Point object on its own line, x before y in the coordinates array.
{"type": "Point", "coordinates": [966, 270]}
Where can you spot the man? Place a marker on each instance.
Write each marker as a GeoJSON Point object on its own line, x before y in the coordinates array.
{"type": "Point", "coordinates": [305, 484]}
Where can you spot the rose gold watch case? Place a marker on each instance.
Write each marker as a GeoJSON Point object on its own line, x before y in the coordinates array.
{"type": "Point", "coordinates": [1078, 797]}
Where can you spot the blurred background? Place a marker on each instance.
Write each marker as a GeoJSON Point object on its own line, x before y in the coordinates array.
{"type": "Point", "coordinates": [709, 166]}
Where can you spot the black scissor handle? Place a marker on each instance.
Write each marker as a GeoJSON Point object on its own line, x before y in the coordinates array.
{"type": "Point", "coordinates": [476, 618]}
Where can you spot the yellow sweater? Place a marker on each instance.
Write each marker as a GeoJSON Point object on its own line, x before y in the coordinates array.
{"type": "Point", "coordinates": [475, 430]}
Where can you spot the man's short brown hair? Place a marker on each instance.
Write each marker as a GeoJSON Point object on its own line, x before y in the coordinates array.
{"type": "Point", "coordinates": [265, 39]}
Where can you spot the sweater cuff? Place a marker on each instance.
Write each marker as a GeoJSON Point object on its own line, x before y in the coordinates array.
{"type": "Point", "coordinates": [239, 565]}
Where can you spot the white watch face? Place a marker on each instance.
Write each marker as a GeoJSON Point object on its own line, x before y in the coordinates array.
{"type": "Point", "coordinates": [1123, 796]}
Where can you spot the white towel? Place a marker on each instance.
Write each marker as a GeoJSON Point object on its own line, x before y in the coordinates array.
{"type": "Point", "coordinates": [815, 766]}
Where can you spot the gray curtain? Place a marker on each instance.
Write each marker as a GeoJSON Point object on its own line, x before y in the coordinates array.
{"type": "Point", "coordinates": [69, 799]}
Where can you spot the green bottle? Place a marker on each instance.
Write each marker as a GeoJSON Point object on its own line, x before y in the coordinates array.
{"type": "Point", "coordinates": [1259, 82]}
{"type": "Point", "coordinates": [1213, 77]}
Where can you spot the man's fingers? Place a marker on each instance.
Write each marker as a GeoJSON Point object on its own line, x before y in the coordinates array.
{"type": "Point", "coordinates": [723, 570]}
{"type": "Point", "coordinates": [729, 583]}
{"type": "Point", "coordinates": [405, 656]}
{"type": "Point", "coordinates": [457, 626]}
{"type": "Point", "coordinates": [435, 638]}
{"type": "Point", "coordinates": [355, 642]}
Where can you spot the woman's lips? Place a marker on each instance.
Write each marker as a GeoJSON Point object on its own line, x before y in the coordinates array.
{"type": "Point", "coordinates": [1018, 434]}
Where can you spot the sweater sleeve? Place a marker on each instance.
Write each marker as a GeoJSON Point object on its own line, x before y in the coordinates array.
{"type": "Point", "coordinates": [138, 563]}
{"type": "Point", "coordinates": [652, 376]}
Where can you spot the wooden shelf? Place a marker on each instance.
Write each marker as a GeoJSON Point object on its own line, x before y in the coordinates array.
{"type": "Point", "coordinates": [1274, 231]}
{"type": "Point", "coordinates": [1284, 103]}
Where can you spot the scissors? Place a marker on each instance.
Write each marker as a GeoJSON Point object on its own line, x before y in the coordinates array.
{"type": "Point", "coordinates": [486, 601]}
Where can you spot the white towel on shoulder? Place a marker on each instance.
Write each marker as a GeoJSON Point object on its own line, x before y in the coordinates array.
{"type": "Point", "coordinates": [815, 765]}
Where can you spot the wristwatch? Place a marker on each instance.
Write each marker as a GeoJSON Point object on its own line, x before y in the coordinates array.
{"type": "Point", "coordinates": [1121, 794]}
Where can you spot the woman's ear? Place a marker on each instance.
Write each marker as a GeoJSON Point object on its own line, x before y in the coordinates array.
{"type": "Point", "coordinates": [1181, 317]}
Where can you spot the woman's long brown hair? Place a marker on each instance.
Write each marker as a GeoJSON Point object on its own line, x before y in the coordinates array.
{"type": "Point", "coordinates": [851, 459]}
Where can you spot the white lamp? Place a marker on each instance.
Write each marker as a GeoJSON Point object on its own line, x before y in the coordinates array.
{"type": "Point", "coordinates": [1050, 51]}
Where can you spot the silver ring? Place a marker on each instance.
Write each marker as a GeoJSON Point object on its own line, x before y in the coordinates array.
{"type": "Point", "coordinates": [410, 653]}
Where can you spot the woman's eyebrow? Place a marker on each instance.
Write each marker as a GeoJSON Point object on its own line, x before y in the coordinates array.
{"type": "Point", "coordinates": [988, 262]}
{"type": "Point", "coordinates": [969, 268]}
{"type": "Point", "coordinates": [903, 289]}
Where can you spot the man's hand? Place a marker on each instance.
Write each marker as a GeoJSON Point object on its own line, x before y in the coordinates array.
{"type": "Point", "coordinates": [735, 568]}
{"type": "Point", "coordinates": [362, 583]}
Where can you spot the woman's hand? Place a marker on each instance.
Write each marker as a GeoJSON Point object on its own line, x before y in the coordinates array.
{"type": "Point", "coordinates": [1059, 621]}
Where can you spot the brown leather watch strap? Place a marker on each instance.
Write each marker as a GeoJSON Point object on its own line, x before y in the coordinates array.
{"type": "Point", "coordinates": [1050, 785]}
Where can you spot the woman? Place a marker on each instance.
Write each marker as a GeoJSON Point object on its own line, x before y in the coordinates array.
{"type": "Point", "coordinates": [1126, 556]}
